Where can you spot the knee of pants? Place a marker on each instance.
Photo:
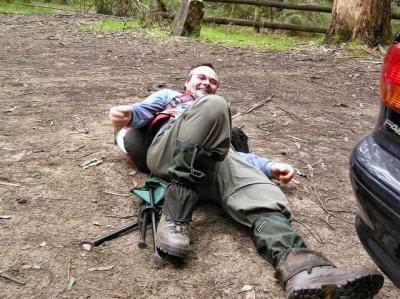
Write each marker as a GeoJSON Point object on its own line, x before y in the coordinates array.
{"type": "Point", "coordinates": [249, 202]}
{"type": "Point", "coordinates": [213, 107]}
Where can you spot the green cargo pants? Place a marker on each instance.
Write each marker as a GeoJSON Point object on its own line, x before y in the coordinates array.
{"type": "Point", "coordinates": [243, 191]}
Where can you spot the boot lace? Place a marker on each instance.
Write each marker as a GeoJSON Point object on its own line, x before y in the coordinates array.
{"type": "Point", "coordinates": [180, 227]}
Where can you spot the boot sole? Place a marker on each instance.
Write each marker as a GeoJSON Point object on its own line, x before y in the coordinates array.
{"type": "Point", "coordinates": [171, 250]}
{"type": "Point", "coordinates": [356, 288]}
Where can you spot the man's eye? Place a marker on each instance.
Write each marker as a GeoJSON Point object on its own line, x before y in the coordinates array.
{"type": "Point", "coordinates": [214, 82]}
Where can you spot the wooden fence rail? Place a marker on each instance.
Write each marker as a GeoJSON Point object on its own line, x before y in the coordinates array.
{"type": "Point", "coordinates": [284, 5]}
{"type": "Point", "coordinates": [307, 7]}
{"type": "Point", "coordinates": [263, 24]}
{"type": "Point", "coordinates": [250, 23]}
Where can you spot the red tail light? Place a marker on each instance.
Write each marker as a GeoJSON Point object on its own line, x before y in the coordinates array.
{"type": "Point", "coordinates": [390, 78]}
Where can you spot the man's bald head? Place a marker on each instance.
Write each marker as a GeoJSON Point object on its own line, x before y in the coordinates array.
{"type": "Point", "coordinates": [202, 78]}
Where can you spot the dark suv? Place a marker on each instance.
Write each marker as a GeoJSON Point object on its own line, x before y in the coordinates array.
{"type": "Point", "coordinates": [375, 174]}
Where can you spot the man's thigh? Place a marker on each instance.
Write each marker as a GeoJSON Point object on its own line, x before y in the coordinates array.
{"type": "Point", "coordinates": [205, 123]}
{"type": "Point", "coordinates": [160, 152]}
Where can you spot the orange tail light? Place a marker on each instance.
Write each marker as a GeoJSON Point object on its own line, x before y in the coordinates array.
{"type": "Point", "coordinates": [390, 78]}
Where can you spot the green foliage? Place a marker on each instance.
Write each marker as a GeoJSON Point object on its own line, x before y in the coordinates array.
{"type": "Point", "coordinates": [228, 35]}
{"type": "Point", "coordinates": [122, 8]}
{"type": "Point", "coordinates": [129, 25]}
{"type": "Point", "coordinates": [44, 6]}
{"type": "Point", "coordinates": [395, 26]}
{"type": "Point", "coordinates": [17, 8]}
{"type": "Point", "coordinates": [267, 14]}
{"type": "Point", "coordinates": [246, 37]}
{"type": "Point", "coordinates": [20, 7]}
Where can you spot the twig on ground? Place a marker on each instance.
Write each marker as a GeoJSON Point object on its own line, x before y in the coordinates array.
{"type": "Point", "coordinates": [258, 105]}
{"type": "Point", "coordinates": [371, 52]}
{"type": "Point", "coordinates": [312, 231]}
{"type": "Point", "coordinates": [86, 154]}
{"type": "Point", "coordinates": [295, 138]}
{"type": "Point", "coordinates": [9, 184]}
{"type": "Point", "coordinates": [91, 163]}
{"type": "Point", "coordinates": [322, 205]}
{"type": "Point", "coordinates": [71, 279]}
{"type": "Point", "coordinates": [371, 61]}
{"type": "Point", "coordinates": [343, 211]}
{"type": "Point", "coordinates": [262, 128]}
{"type": "Point", "coordinates": [20, 219]}
{"type": "Point", "coordinates": [120, 217]}
{"type": "Point", "coordinates": [76, 149]}
{"type": "Point", "coordinates": [339, 211]}
{"type": "Point", "coordinates": [5, 276]}
{"type": "Point", "coordinates": [291, 114]}
{"type": "Point", "coordinates": [319, 161]}
{"type": "Point", "coordinates": [115, 193]}
{"type": "Point", "coordinates": [68, 269]}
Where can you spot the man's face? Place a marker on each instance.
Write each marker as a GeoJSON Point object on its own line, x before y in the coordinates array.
{"type": "Point", "coordinates": [203, 80]}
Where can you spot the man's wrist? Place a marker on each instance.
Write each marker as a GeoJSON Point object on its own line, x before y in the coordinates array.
{"type": "Point", "coordinates": [268, 169]}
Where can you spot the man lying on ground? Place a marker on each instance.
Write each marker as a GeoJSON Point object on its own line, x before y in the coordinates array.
{"type": "Point", "coordinates": [185, 139]}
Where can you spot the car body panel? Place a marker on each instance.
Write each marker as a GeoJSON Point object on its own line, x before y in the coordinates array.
{"type": "Point", "coordinates": [375, 177]}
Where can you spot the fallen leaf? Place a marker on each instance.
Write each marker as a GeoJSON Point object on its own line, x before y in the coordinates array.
{"type": "Point", "coordinates": [70, 283]}
{"type": "Point", "coordinates": [87, 247]}
{"type": "Point", "coordinates": [246, 288]}
{"type": "Point", "coordinates": [251, 295]}
{"type": "Point", "coordinates": [11, 109]}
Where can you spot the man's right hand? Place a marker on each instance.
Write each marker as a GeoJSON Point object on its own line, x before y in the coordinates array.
{"type": "Point", "coordinates": [282, 172]}
{"type": "Point", "coordinates": [120, 116]}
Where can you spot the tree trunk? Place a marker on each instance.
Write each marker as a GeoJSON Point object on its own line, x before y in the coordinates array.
{"type": "Point", "coordinates": [188, 19]}
{"type": "Point", "coordinates": [257, 18]}
{"type": "Point", "coordinates": [365, 20]}
{"type": "Point", "coordinates": [156, 6]}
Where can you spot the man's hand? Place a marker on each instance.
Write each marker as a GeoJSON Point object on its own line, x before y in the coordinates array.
{"type": "Point", "coordinates": [120, 116]}
{"type": "Point", "coordinates": [282, 172]}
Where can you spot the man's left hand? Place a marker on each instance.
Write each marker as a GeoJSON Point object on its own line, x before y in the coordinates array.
{"type": "Point", "coordinates": [282, 172]}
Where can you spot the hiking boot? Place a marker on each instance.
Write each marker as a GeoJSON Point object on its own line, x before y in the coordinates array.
{"type": "Point", "coordinates": [173, 237]}
{"type": "Point", "coordinates": [331, 282]}
{"type": "Point", "coordinates": [324, 280]}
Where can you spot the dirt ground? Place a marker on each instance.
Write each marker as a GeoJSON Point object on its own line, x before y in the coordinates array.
{"type": "Point", "coordinates": [57, 85]}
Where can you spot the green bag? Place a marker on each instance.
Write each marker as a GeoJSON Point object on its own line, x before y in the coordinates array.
{"type": "Point", "coordinates": [157, 185]}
